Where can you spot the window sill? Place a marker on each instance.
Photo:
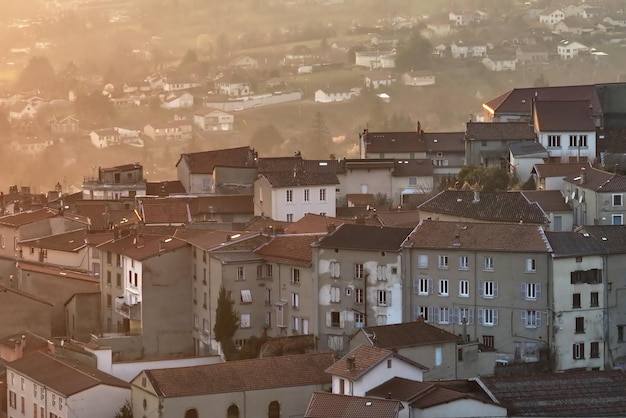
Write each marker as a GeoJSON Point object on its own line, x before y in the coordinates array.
{"type": "Point", "coordinates": [579, 332]}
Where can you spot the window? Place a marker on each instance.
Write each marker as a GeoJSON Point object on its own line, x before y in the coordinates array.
{"type": "Point", "coordinates": [335, 294]}
{"type": "Point", "coordinates": [295, 300]}
{"type": "Point", "coordinates": [595, 350]}
{"type": "Point", "coordinates": [620, 333]}
{"type": "Point", "coordinates": [463, 262]}
{"type": "Point", "coordinates": [241, 273]}
{"type": "Point", "coordinates": [244, 320]}
{"type": "Point", "coordinates": [423, 286]}
{"type": "Point", "coordinates": [593, 276]}
{"type": "Point", "coordinates": [459, 354]}
{"type": "Point", "coordinates": [335, 270]}
{"type": "Point", "coordinates": [307, 195]}
{"type": "Point", "coordinates": [554, 141]}
{"type": "Point", "coordinates": [191, 413]}
{"type": "Point", "coordinates": [595, 300]}
{"type": "Point", "coordinates": [322, 195]}
{"type": "Point", "coordinates": [268, 319]}
{"type": "Point", "coordinates": [443, 287]}
{"type": "Point", "coordinates": [488, 263]}
{"type": "Point", "coordinates": [531, 319]}
{"type": "Point", "coordinates": [617, 219]}
{"type": "Point", "coordinates": [289, 217]}
{"type": "Point", "coordinates": [232, 412]}
{"type": "Point", "coordinates": [617, 199]}
{"type": "Point", "coordinates": [295, 324]}
{"type": "Point", "coordinates": [461, 314]}
{"type": "Point", "coordinates": [582, 141]}
{"type": "Point", "coordinates": [443, 261]}
{"type": "Point", "coordinates": [489, 289]}
{"type": "Point", "coordinates": [109, 278]}
{"type": "Point", "coordinates": [381, 273]}
{"type": "Point", "coordinates": [578, 351]}
{"type": "Point", "coordinates": [268, 296]}
{"type": "Point", "coordinates": [531, 265]}
{"type": "Point", "coordinates": [438, 356]}
{"type": "Point", "coordinates": [489, 341]}
{"type": "Point", "coordinates": [295, 276]}
{"type": "Point", "coordinates": [264, 271]}
{"type": "Point", "coordinates": [359, 320]}
{"type": "Point", "coordinates": [12, 399]}
{"type": "Point", "coordinates": [109, 256]}
{"type": "Point", "coordinates": [464, 288]}
{"type": "Point", "coordinates": [358, 271]}
{"type": "Point", "coordinates": [441, 314]}
{"type": "Point", "coordinates": [572, 140]}
{"type": "Point", "coordinates": [531, 291]}
{"type": "Point", "coordinates": [335, 319]}
{"type": "Point", "coordinates": [358, 296]}
{"type": "Point", "coordinates": [109, 301]}
{"type": "Point", "coordinates": [488, 317]}
{"type": "Point", "coordinates": [289, 196]}
{"type": "Point", "coordinates": [422, 261]}
{"type": "Point", "coordinates": [384, 298]}
{"type": "Point", "coordinates": [576, 301]}
{"type": "Point", "coordinates": [246, 296]}
{"type": "Point", "coordinates": [424, 312]}
{"type": "Point", "coordinates": [580, 325]}
{"type": "Point", "coordinates": [118, 280]}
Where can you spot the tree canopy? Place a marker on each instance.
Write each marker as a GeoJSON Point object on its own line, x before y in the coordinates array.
{"type": "Point", "coordinates": [226, 323]}
{"type": "Point", "coordinates": [478, 177]}
{"type": "Point", "coordinates": [37, 75]}
{"type": "Point", "coordinates": [415, 54]}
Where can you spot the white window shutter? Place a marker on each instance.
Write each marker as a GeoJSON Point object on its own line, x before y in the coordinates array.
{"type": "Point", "coordinates": [430, 286]}
{"type": "Point", "coordinates": [430, 314]}
{"type": "Point", "coordinates": [481, 288]}
{"type": "Point", "coordinates": [416, 285]}
{"type": "Point", "coordinates": [524, 318]}
{"type": "Point", "coordinates": [457, 316]}
{"type": "Point", "coordinates": [495, 317]}
{"type": "Point", "coordinates": [524, 289]}
{"type": "Point", "coordinates": [480, 316]}
{"type": "Point", "coordinates": [328, 319]}
{"type": "Point", "coordinates": [388, 298]}
{"type": "Point", "coordinates": [342, 319]}
{"type": "Point", "coordinates": [495, 288]}
{"type": "Point", "coordinates": [539, 315]}
{"type": "Point", "coordinates": [337, 269]}
{"type": "Point", "coordinates": [470, 314]}
{"type": "Point", "coordinates": [436, 314]}
{"type": "Point", "coordinates": [538, 290]}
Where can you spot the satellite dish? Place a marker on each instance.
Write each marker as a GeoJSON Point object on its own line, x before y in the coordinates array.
{"type": "Point", "coordinates": [566, 199]}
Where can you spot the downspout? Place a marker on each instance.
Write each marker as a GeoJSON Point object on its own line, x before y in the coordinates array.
{"type": "Point", "coordinates": [607, 339]}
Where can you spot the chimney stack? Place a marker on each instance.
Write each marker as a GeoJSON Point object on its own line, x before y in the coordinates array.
{"type": "Point", "coordinates": [583, 175]}
{"type": "Point", "coordinates": [351, 361]}
{"type": "Point", "coordinates": [476, 196]}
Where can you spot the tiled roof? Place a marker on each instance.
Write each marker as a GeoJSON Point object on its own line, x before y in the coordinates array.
{"type": "Point", "coordinates": [164, 188]}
{"type": "Point", "coordinates": [212, 239]}
{"type": "Point", "coordinates": [144, 246]}
{"type": "Point", "coordinates": [331, 166]}
{"type": "Point", "coordinates": [360, 199]}
{"type": "Point", "coordinates": [518, 101]}
{"type": "Point", "coordinates": [289, 249]}
{"type": "Point", "coordinates": [204, 162]}
{"type": "Point", "coordinates": [548, 200]}
{"type": "Point", "coordinates": [243, 375]}
{"type": "Point", "coordinates": [312, 223]}
{"type": "Point", "coordinates": [479, 236]}
{"type": "Point", "coordinates": [330, 405]}
{"type": "Point", "coordinates": [611, 237]}
{"type": "Point", "coordinates": [611, 140]}
{"type": "Point", "coordinates": [561, 116]}
{"type": "Point", "coordinates": [261, 223]}
{"type": "Point", "coordinates": [236, 256]}
{"type": "Point", "coordinates": [569, 394]}
{"type": "Point", "coordinates": [369, 164]}
{"type": "Point", "coordinates": [490, 206]}
{"type": "Point", "coordinates": [401, 389]}
{"type": "Point", "coordinates": [598, 180]}
{"type": "Point", "coordinates": [501, 131]}
{"type": "Point", "coordinates": [63, 376]}
{"type": "Point", "coordinates": [60, 272]}
{"type": "Point", "coordinates": [171, 211]}
{"type": "Point", "coordinates": [32, 342]}
{"type": "Point", "coordinates": [559, 169]}
{"type": "Point", "coordinates": [269, 164]}
{"type": "Point", "coordinates": [363, 358]}
{"type": "Point", "coordinates": [365, 237]}
{"type": "Point", "coordinates": [99, 238]}
{"type": "Point", "coordinates": [407, 334]}
{"type": "Point", "coordinates": [98, 215]}
{"type": "Point", "coordinates": [25, 218]}
{"type": "Point", "coordinates": [519, 149]}
{"type": "Point", "coordinates": [382, 142]}
{"type": "Point", "coordinates": [571, 244]}
{"type": "Point", "coordinates": [300, 178]}
{"type": "Point", "coordinates": [405, 168]}
{"type": "Point", "coordinates": [444, 141]}
{"type": "Point", "coordinates": [68, 241]}
{"type": "Point", "coordinates": [232, 203]}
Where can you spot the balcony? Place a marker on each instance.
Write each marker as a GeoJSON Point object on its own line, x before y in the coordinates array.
{"type": "Point", "coordinates": [127, 310]}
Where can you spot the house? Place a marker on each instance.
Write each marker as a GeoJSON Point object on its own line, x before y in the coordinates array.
{"type": "Point", "coordinates": [488, 144]}
{"type": "Point", "coordinates": [411, 178]}
{"type": "Point", "coordinates": [178, 101]}
{"type": "Point", "coordinates": [22, 110]}
{"type": "Point", "coordinates": [171, 130]}
{"type": "Point", "coordinates": [531, 54]}
{"type": "Point", "coordinates": [376, 79]}
{"type": "Point", "coordinates": [357, 270]}
{"type": "Point", "coordinates": [21, 311]}
{"type": "Point", "coordinates": [437, 29]}
{"type": "Point", "coordinates": [476, 271]}
{"type": "Point", "coordinates": [573, 25]}
{"type": "Point", "coordinates": [45, 384]}
{"type": "Point", "coordinates": [596, 196]}
{"type": "Point", "coordinates": [364, 367]}
{"type": "Point", "coordinates": [461, 50]}
{"type": "Point", "coordinates": [475, 206]}
{"type": "Point", "coordinates": [142, 274]}
{"type": "Point", "coordinates": [324, 404]}
{"type": "Point", "coordinates": [397, 145]}
{"type": "Point", "coordinates": [67, 249]}
{"type": "Point", "coordinates": [373, 60]}
{"type": "Point", "coordinates": [441, 352]}
{"type": "Point", "coordinates": [83, 316]}
{"type": "Point", "coordinates": [578, 339]}
{"type": "Point", "coordinates": [31, 144]}
{"type": "Point", "coordinates": [103, 138]}
{"type": "Point", "coordinates": [500, 62]}
{"type": "Point", "coordinates": [330, 95]}
{"type": "Point", "coordinates": [559, 213]}
{"type": "Point", "coordinates": [245, 62]}
{"type": "Point", "coordinates": [214, 120]}
{"type": "Point", "coordinates": [64, 125]}
{"type": "Point", "coordinates": [569, 49]}
{"type": "Point", "coordinates": [288, 195]}
{"type": "Point", "coordinates": [174, 83]}
{"type": "Point", "coordinates": [460, 19]}
{"type": "Point", "coordinates": [549, 176]}
{"type": "Point", "coordinates": [551, 17]}
{"type": "Point", "coordinates": [523, 156]}
{"type": "Point", "coordinates": [122, 181]}
{"type": "Point", "coordinates": [272, 386]}
{"type": "Point", "coordinates": [232, 85]}
{"type": "Point", "coordinates": [206, 172]}
{"type": "Point", "coordinates": [164, 212]}
{"type": "Point", "coordinates": [418, 78]}
{"type": "Point", "coordinates": [566, 129]}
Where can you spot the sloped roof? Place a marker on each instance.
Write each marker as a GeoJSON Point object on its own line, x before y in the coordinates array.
{"type": "Point", "coordinates": [412, 167]}
{"type": "Point", "coordinates": [32, 342]}
{"type": "Point", "coordinates": [362, 359]}
{"type": "Point", "coordinates": [490, 206]}
{"type": "Point", "coordinates": [479, 236]}
{"type": "Point", "coordinates": [170, 211]}
{"type": "Point", "coordinates": [204, 162]}
{"type": "Point", "coordinates": [243, 375]}
{"type": "Point", "coordinates": [598, 180]}
{"type": "Point", "coordinates": [289, 249]}
{"type": "Point", "coordinates": [564, 116]}
{"type": "Point", "coordinates": [501, 131]}
{"type": "Point", "coordinates": [25, 218]}
{"type": "Point", "coordinates": [63, 376]}
{"type": "Point", "coordinates": [330, 405]}
{"type": "Point", "coordinates": [611, 237]}
{"type": "Point", "coordinates": [365, 237]}
{"type": "Point", "coordinates": [407, 334]}
{"type": "Point", "coordinates": [144, 246]}
{"type": "Point", "coordinates": [164, 188]}
{"type": "Point", "coordinates": [7, 290]}
{"type": "Point", "coordinates": [569, 394]}
{"type": "Point", "coordinates": [69, 241]}
{"type": "Point", "coordinates": [312, 223]}
{"type": "Point", "coordinates": [401, 389]}
{"type": "Point", "coordinates": [300, 178]}
{"type": "Point", "coordinates": [528, 148]}
{"type": "Point", "coordinates": [382, 142]}
{"type": "Point", "coordinates": [444, 141]}
{"type": "Point", "coordinates": [572, 244]}
{"type": "Point", "coordinates": [559, 169]}
{"type": "Point", "coordinates": [403, 218]}
{"type": "Point", "coordinates": [261, 223]}
{"type": "Point", "coordinates": [212, 239]}
{"type": "Point", "coordinates": [548, 200]}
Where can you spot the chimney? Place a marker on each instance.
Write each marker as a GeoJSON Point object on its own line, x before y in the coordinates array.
{"type": "Point", "coordinates": [476, 196]}
{"type": "Point", "coordinates": [50, 347]}
{"type": "Point", "coordinates": [583, 175]}
{"type": "Point", "coordinates": [351, 361]}
{"type": "Point", "coordinates": [330, 227]}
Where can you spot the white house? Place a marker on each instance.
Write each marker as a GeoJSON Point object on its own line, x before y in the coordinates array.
{"type": "Point", "coordinates": [214, 120]}
{"type": "Point", "coordinates": [568, 50]}
{"type": "Point", "coordinates": [500, 62]}
{"type": "Point", "coordinates": [460, 50]}
{"type": "Point", "coordinates": [103, 138]}
{"type": "Point", "coordinates": [551, 17]}
{"type": "Point", "coordinates": [173, 84]}
{"type": "Point", "coordinates": [418, 78]}
{"type": "Point", "coordinates": [329, 95]}
{"type": "Point", "coordinates": [178, 101]}
{"type": "Point", "coordinates": [30, 145]}
{"type": "Point", "coordinates": [377, 79]}
{"type": "Point", "coordinates": [375, 59]}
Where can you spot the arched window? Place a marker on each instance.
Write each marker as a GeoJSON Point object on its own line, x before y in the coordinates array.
{"type": "Point", "coordinates": [191, 413]}
{"type": "Point", "coordinates": [233, 412]}
{"type": "Point", "coordinates": [273, 411]}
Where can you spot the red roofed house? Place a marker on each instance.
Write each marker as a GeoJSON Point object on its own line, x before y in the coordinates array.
{"type": "Point", "coordinates": [323, 405]}
{"type": "Point", "coordinates": [269, 387]}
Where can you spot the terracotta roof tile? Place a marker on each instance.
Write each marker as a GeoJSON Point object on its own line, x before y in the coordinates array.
{"type": "Point", "coordinates": [366, 237]}
{"type": "Point", "coordinates": [171, 211]}
{"type": "Point", "coordinates": [401, 389]}
{"type": "Point", "coordinates": [312, 223]}
{"type": "Point", "coordinates": [213, 239]}
{"type": "Point", "coordinates": [290, 249]}
{"type": "Point", "coordinates": [261, 223]}
{"type": "Point", "coordinates": [23, 294]}
{"type": "Point", "coordinates": [299, 178]}
{"type": "Point", "coordinates": [243, 375]}
{"type": "Point", "coordinates": [559, 169]}
{"type": "Point", "coordinates": [362, 359]}
{"type": "Point", "coordinates": [402, 218]}
{"type": "Point", "coordinates": [25, 218]}
{"type": "Point", "coordinates": [68, 241]}
{"type": "Point", "coordinates": [144, 246]}
{"type": "Point", "coordinates": [204, 162]}
{"type": "Point", "coordinates": [501, 131]}
{"type": "Point", "coordinates": [548, 200]}
{"type": "Point", "coordinates": [404, 168]}
{"type": "Point", "coordinates": [33, 342]}
{"type": "Point", "coordinates": [568, 116]}
{"type": "Point", "coordinates": [599, 181]}
{"type": "Point", "coordinates": [444, 141]}
{"type": "Point", "coordinates": [407, 334]}
{"type": "Point", "coordinates": [60, 272]}
{"type": "Point", "coordinates": [329, 405]}
{"type": "Point", "coordinates": [389, 142]}
{"type": "Point", "coordinates": [490, 206]}
{"type": "Point", "coordinates": [479, 236]}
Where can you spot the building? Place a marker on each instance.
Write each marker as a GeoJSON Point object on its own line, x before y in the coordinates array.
{"type": "Point", "coordinates": [123, 181]}
{"type": "Point", "coordinates": [488, 144]}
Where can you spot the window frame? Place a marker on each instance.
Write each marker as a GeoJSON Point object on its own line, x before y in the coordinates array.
{"type": "Point", "coordinates": [464, 288]}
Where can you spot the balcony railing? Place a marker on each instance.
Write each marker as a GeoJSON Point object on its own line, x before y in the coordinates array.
{"type": "Point", "coordinates": [127, 310]}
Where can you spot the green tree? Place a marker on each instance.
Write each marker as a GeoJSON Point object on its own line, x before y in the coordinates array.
{"type": "Point", "coordinates": [486, 179]}
{"type": "Point", "coordinates": [415, 54]}
{"type": "Point", "coordinates": [126, 411]}
{"type": "Point", "coordinates": [319, 142]}
{"type": "Point", "coordinates": [226, 323]}
{"type": "Point", "coordinates": [38, 74]}
{"type": "Point", "coordinates": [265, 138]}
{"type": "Point", "coordinates": [94, 107]}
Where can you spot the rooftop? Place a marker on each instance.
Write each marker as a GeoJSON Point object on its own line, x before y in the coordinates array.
{"type": "Point", "coordinates": [407, 334]}
{"type": "Point", "coordinates": [327, 405]}
{"type": "Point", "coordinates": [366, 237]}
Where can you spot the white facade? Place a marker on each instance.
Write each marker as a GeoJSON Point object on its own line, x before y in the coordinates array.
{"type": "Point", "coordinates": [568, 50]}
{"type": "Point", "coordinates": [569, 146]}
{"type": "Point", "coordinates": [552, 17]}
{"type": "Point", "coordinates": [500, 64]}
{"type": "Point", "coordinates": [374, 60]}
{"type": "Point", "coordinates": [322, 96]}
{"type": "Point", "coordinates": [285, 209]}
{"type": "Point", "coordinates": [460, 50]}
